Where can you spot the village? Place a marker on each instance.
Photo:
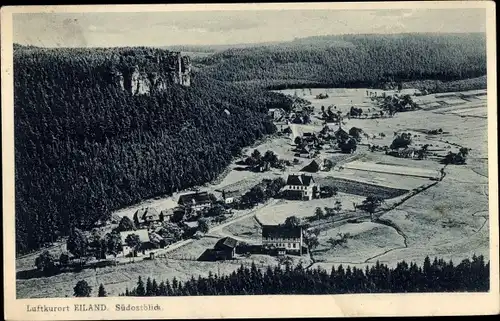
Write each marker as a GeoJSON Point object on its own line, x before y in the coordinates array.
{"type": "Point", "coordinates": [322, 191]}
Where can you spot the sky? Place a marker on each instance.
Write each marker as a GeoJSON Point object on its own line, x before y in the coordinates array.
{"type": "Point", "coordinates": [97, 29]}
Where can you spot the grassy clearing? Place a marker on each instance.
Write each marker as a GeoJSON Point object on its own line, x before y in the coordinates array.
{"type": "Point", "coordinates": [247, 228]}
{"type": "Point", "coordinates": [450, 217]}
{"type": "Point", "coordinates": [394, 169]}
{"type": "Point", "coordinates": [278, 213]}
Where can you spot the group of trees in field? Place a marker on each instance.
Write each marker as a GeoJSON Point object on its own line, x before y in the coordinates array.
{"type": "Point", "coordinates": [83, 290]}
{"type": "Point", "coordinates": [259, 162]}
{"type": "Point", "coordinates": [459, 158]}
{"type": "Point", "coordinates": [433, 276]}
{"type": "Point", "coordinates": [85, 147]}
{"type": "Point", "coordinates": [401, 140]}
{"type": "Point", "coordinates": [327, 212]}
{"type": "Point", "coordinates": [260, 193]}
{"type": "Point", "coordinates": [396, 104]}
{"type": "Point", "coordinates": [354, 61]}
{"type": "Point", "coordinates": [82, 247]}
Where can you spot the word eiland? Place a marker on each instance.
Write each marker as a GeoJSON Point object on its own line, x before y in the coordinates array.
{"type": "Point", "coordinates": [92, 307]}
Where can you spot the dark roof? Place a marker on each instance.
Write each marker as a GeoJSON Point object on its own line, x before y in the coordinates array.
{"type": "Point", "coordinates": [311, 167]}
{"type": "Point", "coordinates": [342, 132]}
{"type": "Point", "coordinates": [140, 212]}
{"type": "Point", "coordinates": [225, 243]}
{"type": "Point", "coordinates": [232, 193]}
{"type": "Point", "coordinates": [303, 179]}
{"type": "Point", "coordinates": [281, 231]}
{"type": "Point", "coordinates": [194, 198]}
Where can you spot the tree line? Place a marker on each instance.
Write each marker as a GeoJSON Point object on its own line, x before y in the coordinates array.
{"type": "Point", "coordinates": [354, 61]}
{"type": "Point", "coordinates": [85, 147]}
{"type": "Point", "coordinates": [433, 276]}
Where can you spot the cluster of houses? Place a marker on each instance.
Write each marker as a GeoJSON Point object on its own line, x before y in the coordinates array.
{"type": "Point", "coordinates": [278, 239]}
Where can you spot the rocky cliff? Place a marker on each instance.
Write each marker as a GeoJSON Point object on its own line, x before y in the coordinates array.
{"type": "Point", "coordinates": [152, 74]}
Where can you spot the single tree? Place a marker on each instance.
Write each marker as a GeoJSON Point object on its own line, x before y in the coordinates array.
{"type": "Point", "coordinates": [136, 218]}
{"type": "Point", "coordinates": [292, 221]}
{"type": "Point", "coordinates": [82, 289]}
{"type": "Point", "coordinates": [140, 290]}
{"type": "Point", "coordinates": [77, 243]}
{"type": "Point", "coordinates": [371, 203]}
{"type": "Point", "coordinates": [133, 241]}
{"type": "Point", "coordinates": [113, 243]}
{"type": "Point", "coordinates": [318, 213]}
{"type": "Point", "coordinates": [126, 224]}
{"type": "Point", "coordinates": [256, 155]}
{"type": "Point", "coordinates": [203, 225]}
{"type": "Point", "coordinates": [356, 133]}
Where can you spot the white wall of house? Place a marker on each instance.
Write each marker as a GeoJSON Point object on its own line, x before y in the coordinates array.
{"type": "Point", "coordinates": [126, 250]}
{"type": "Point", "coordinates": [199, 207]}
{"type": "Point", "coordinates": [293, 244]}
{"type": "Point", "coordinates": [307, 191]}
{"type": "Point", "coordinates": [229, 200]}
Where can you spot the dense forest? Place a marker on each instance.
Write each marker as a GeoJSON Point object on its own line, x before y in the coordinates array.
{"type": "Point", "coordinates": [353, 60]}
{"type": "Point", "coordinates": [436, 276]}
{"type": "Point", "coordinates": [85, 147]}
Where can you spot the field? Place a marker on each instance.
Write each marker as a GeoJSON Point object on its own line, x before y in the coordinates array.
{"type": "Point", "coordinates": [449, 219]}
{"type": "Point", "coordinates": [277, 214]}
{"type": "Point", "coordinates": [367, 240]}
{"type": "Point", "coordinates": [392, 169]}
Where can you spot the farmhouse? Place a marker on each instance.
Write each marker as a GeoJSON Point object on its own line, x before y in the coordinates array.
{"type": "Point", "coordinates": [224, 249]}
{"type": "Point", "coordinates": [300, 187]}
{"type": "Point", "coordinates": [166, 214]}
{"type": "Point", "coordinates": [341, 134]}
{"type": "Point", "coordinates": [150, 215]}
{"type": "Point", "coordinates": [405, 153]}
{"type": "Point", "coordinates": [313, 166]}
{"type": "Point", "coordinates": [282, 238]}
{"type": "Point", "coordinates": [143, 239]}
{"type": "Point", "coordinates": [229, 196]}
{"type": "Point", "coordinates": [196, 201]}
{"type": "Point", "coordinates": [305, 152]}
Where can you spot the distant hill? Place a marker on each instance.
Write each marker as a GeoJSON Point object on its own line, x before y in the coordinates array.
{"type": "Point", "coordinates": [352, 60]}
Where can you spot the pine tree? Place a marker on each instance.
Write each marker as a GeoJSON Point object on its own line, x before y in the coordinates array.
{"type": "Point", "coordinates": [149, 287]}
{"type": "Point", "coordinates": [140, 290]}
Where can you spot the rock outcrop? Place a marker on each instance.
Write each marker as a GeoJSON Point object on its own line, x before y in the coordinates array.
{"type": "Point", "coordinates": [153, 74]}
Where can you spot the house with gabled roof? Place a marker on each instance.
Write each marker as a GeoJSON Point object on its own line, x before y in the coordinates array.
{"type": "Point", "coordinates": [226, 248]}
{"type": "Point", "coordinates": [196, 201]}
{"type": "Point", "coordinates": [229, 196]}
{"type": "Point", "coordinates": [282, 238]}
{"type": "Point", "coordinates": [300, 187]}
{"type": "Point", "coordinates": [143, 235]}
{"type": "Point", "coordinates": [150, 215]}
{"type": "Point", "coordinates": [341, 134]}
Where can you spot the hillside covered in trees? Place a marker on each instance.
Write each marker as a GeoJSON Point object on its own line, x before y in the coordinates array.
{"type": "Point", "coordinates": [85, 147]}
{"type": "Point", "coordinates": [353, 60]}
{"type": "Point", "coordinates": [436, 276]}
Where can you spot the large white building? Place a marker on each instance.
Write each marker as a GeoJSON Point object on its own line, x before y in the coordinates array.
{"type": "Point", "coordinates": [300, 187]}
